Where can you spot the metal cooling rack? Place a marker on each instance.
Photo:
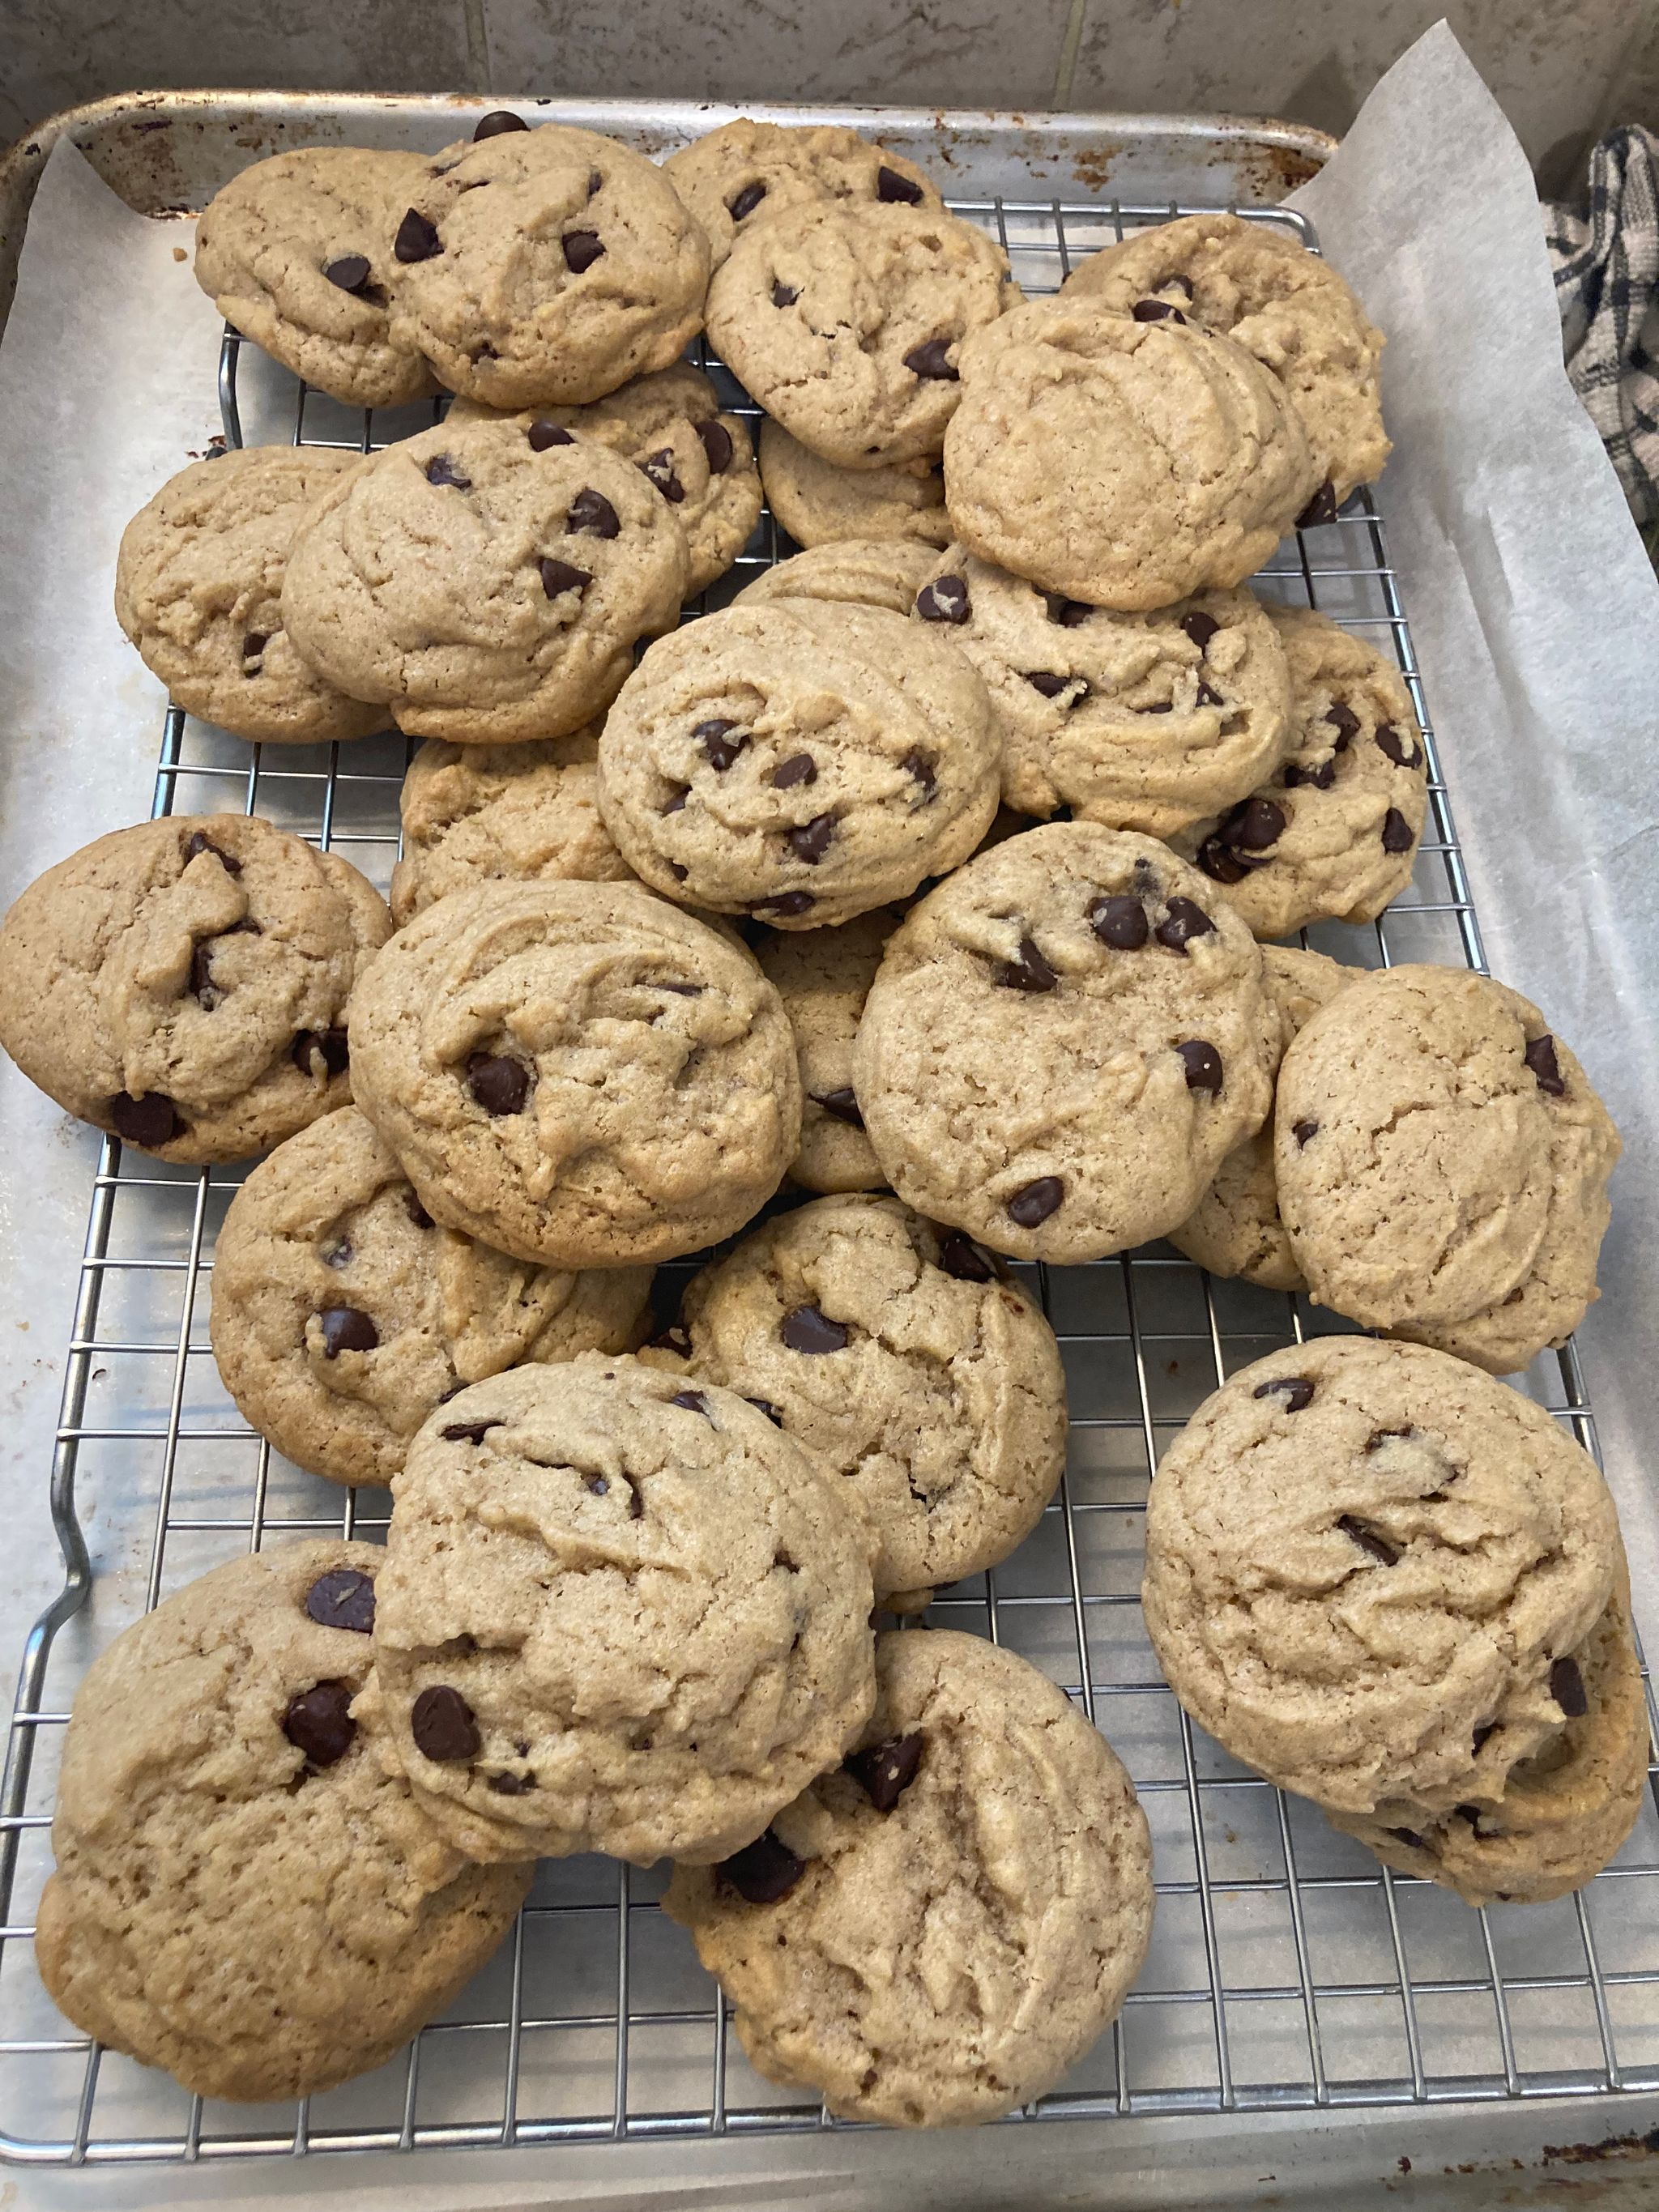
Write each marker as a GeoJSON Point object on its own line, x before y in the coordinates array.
{"type": "Point", "coordinates": [1287, 1969]}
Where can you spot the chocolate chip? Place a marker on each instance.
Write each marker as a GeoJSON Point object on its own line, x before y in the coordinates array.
{"type": "Point", "coordinates": [890, 185]}
{"type": "Point", "coordinates": [543, 435]}
{"type": "Point", "coordinates": [1220, 863]}
{"type": "Point", "coordinates": [202, 985]}
{"type": "Point", "coordinates": [253, 646]}
{"type": "Point", "coordinates": [774, 1413]}
{"type": "Point", "coordinates": [960, 1256]}
{"type": "Point", "coordinates": [746, 201]}
{"type": "Point", "coordinates": [1177, 283]}
{"type": "Point", "coordinates": [1070, 614]}
{"type": "Point", "coordinates": [804, 1329]}
{"type": "Point", "coordinates": [150, 1120]}
{"type": "Point", "coordinates": [763, 1871]}
{"type": "Point", "coordinates": [1408, 1836]}
{"type": "Point", "coordinates": [1344, 721]}
{"type": "Point", "coordinates": [716, 445]}
{"type": "Point", "coordinates": [1203, 1065]}
{"type": "Point", "coordinates": [1395, 746]}
{"type": "Point", "coordinates": [1378, 1437]}
{"type": "Point", "coordinates": [558, 576]}
{"type": "Point", "coordinates": [693, 1402]}
{"type": "Point", "coordinates": [1321, 778]}
{"type": "Point", "coordinates": [1156, 311]}
{"type": "Point", "coordinates": [581, 250]}
{"type": "Point", "coordinates": [799, 767]}
{"type": "Point", "coordinates": [921, 766]}
{"type": "Point", "coordinates": [345, 1329]}
{"type": "Point", "coordinates": [349, 272]}
{"type": "Point", "coordinates": [678, 873]}
{"type": "Point", "coordinates": [418, 239]}
{"type": "Point", "coordinates": [673, 807]}
{"type": "Point", "coordinates": [945, 599]}
{"type": "Point", "coordinates": [1321, 508]}
{"type": "Point", "coordinates": [1034, 1202]}
{"type": "Point", "coordinates": [337, 1255]}
{"type": "Point", "coordinates": [886, 1771]}
{"type": "Point", "coordinates": [499, 120]}
{"type": "Point", "coordinates": [1539, 1056]}
{"type": "Point", "coordinates": [343, 1598]}
{"type": "Point", "coordinates": [469, 1432]}
{"type": "Point", "coordinates": [1295, 1390]}
{"type": "Point", "coordinates": [511, 1785]}
{"type": "Point", "coordinates": [842, 1104]}
{"type": "Point", "coordinates": [1051, 686]}
{"type": "Point", "coordinates": [1302, 1130]}
{"type": "Point", "coordinates": [1397, 836]}
{"type": "Point", "coordinates": [1120, 922]}
{"type": "Point", "coordinates": [1162, 706]}
{"type": "Point", "coordinates": [442, 1725]}
{"type": "Point", "coordinates": [715, 738]}
{"type": "Point", "coordinates": [784, 295]}
{"type": "Point", "coordinates": [1027, 971]}
{"type": "Point", "coordinates": [199, 842]}
{"type": "Point", "coordinates": [1208, 696]}
{"type": "Point", "coordinates": [1199, 626]}
{"type": "Point", "coordinates": [659, 468]}
{"type": "Point", "coordinates": [1486, 1730]}
{"type": "Point", "coordinates": [1369, 1539]}
{"type": "Point", "coordinates": [501, 1086]}
{"type": "Point", "coordinates": [319, 1723]}
{"type": "Point", "coordinates": [683, 990]}
{"type": "Point", "coordinates": [1567, 1688]}
{"type": "Point", "coordinates": [787, 902]}
{"type": "Point", "coordinates": [1255, 823]}
{"type": "Point", "coordinates": [1184, 920]}
{"type": "Point", "coordinates": [441, 469]}
{"type": "Point", "coordinates": [331, 1047]}
{"type": "Point", "coordinates": [810, 841]}
{"type": "Point", "coordinates": [932, 360]}
{"type": "Point", "coordinates": [591, 515]}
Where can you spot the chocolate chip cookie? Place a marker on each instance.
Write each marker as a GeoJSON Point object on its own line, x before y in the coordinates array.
{"type": "Point", "coordinates": [797, 761]}
{"type": "Point", "coordinates": [343, 1314]}
{"type": "Point", "coordinates": [824, 977]}
{"type": "Point", "coordinates": [549, 264]}
{"type": "Point", "coordinates": [1371, 1571]}
{"type": "Point", "coordinates": [246, 1892]}
{"type": "Point", "coordinates": [577, 1073]}
{"type": "Point", "coordinates": [863, 572]}
{"type": "Point", "coordinates": [487, 585]}
{"type": "Point", "coordinates": [296, 253]}
{"type": "Point", "coordinates": [741, 175]}
{"type": "Point", "coordinates": [670, 425]}
{"type": "Point", "coordinates": [1062, 1044]}
{"type": "Point", "coordinates": [819, 503]}
{"type": "Point", "coordinates": [846, 323]}
{"type": "Point", "coordinates": [934, 1933]}
{"type": "Point", "coordinates": [198, 587]}
{"type": "Point", "coordinates": [617, 1615]}
{"type": "Point", "coordinates": [1126, 464]}
{"type": "Point", "coordinates": [1332, 834]}
{"type": "Point", "coordinates": [1142, 721]}
{"type": "Point", "coordinates": [1266, 291]}
{"type": "Point", "coordinates": [1443, 1165]}
{"type": "Point", "coordinates": [1234, 1227]}
{"type": "Point", "coordinates": [183, 984]}
{"type": "Point", "coordinates": [475, 814]}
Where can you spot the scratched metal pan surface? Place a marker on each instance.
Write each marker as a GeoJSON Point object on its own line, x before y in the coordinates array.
{"type": "Point", "coordinates": [1303, 2011]}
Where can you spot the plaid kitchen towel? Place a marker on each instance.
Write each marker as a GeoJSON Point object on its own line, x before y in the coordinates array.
{"type": "Point", "coordinates": [1607, 286]}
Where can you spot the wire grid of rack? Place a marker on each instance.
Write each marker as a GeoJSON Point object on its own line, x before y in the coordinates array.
{"type": "Point", "coordinates": [1288, 1970]}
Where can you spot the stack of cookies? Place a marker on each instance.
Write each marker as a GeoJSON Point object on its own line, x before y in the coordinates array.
{"type": "Point", "coordinates": [926, 877]}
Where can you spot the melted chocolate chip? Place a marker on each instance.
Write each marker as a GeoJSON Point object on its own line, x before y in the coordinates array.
{"type": "Point", "coordinates": [762, 1872]}
{"type": "Point", "coordinates": [932, 360]}
{"type": "Point", "coordinates": [319, 1723]}
{"type": "Point", "coordinates": [582, 249]}
{"type": "Point", "coordinates": [842, 1104]}
{"type": "Point", "coordinates": [442, 1725]}
{"type": "Point", "coordinates": [1397, 836]}
{"type": "Point", "coordinates": [716, 446]}
{"type": "Point", "coordinates": [331, 1047]}
{"type": "Point", "coordinates": [799, 767]}
{"type": "Point", "coordinates": [1320, 509]}
{"type": "Point", "coordinates": [1369, 1540]}
{"type": "Point", "coordinates": [543, 435]}
{"type": "Point", "coordinates": [349, 272]}
{"type": "Point", "coordinates": [1184, 920]}
{"type": "Point", "coordinates": [498, 120]}
{"type": "Point", "coordinates": [810, 841]}
{"type": "Point", "coordinates": [746, 201]}
{"type": "Point", "coordinates": [892, 186]}
{"type": "Point", "coordinates": [1203, 1065]}
{"type": "Point", "coordinates": [501, 1086]}
{"type": "Point", "coordinates": [960, 1256]}
{"type": "Point", "coordinates": [1539, 1056]}
{"type": "Point", "coordinates": [148, 1121]}
{"type": "Point", "coordinates": [1031, 1205]}
{"type": "Point", "coordinates": [1344, 721]}
{"type": "Point", "coordinates": [1199, 626]}
{"type": "Point", "coordinates": [1567, 1688]}
{"type": "Point", "coordinates": [345, 1329]}
{"type": "Point", "coordinates": [343, 1598]}
{"type": "Point", "coordinates": [418, 239]}
{"type": "Point", "coordinates": [787, 902]}
{"type": "Point", "coordinates": [1401, 754]}
{"type": "Point", "coordinates": [1302, 1130]}
{"type": "Point", "coordinates": [441, 469]}
{"type": "Point", "coordinates": [784, 295]}
{"type": "Point", "coordinates": [715, 738]}
{"type": "Point", "coordinates": [199, 842]}
{"type": "Point", "coordinates": [804, 1329]}
{"type": "Point", "coordinates": [1156, 311]}
{"type": "Point", "coordinates": [921, 766]}
{"type": "Point", "coordinates": [1120, 922]}
{"type": "Point", "coordinates": [1296, 1390]}
{"type": "Point", "coordinates": [659, 468]}
{"type": "Point", "coordinates": [469, 1432]}
{"type": "Point", "coordinates": [591, 515]}
{"type": "Point", "coordinates": [774, 1413]}
{"type": "Point", "coordinates": [1027, 971]}
{"type": "Point", "coordinates": [558, 576]}
{"type": "Point", "coordinates": [945, 599]}
{"type": "Point", "coordinates": [886, 1771]}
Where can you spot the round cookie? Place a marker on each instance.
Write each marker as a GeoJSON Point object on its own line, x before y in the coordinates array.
{"type": "Point", "coordinates": [549, 264]}
{"type": "Point", "coordinates": [198, 585]}
{"type": "Point", "coordinates": [476, 814]}
{"type": "Point", "coordinates": [937, 1931]}
{"type": "Point", "coordinates": [744, 174]}
{"type": "Point", "coordinates": [1266, 292]}
{"type": "Point", "coordinates": [870, 572]}
{"type": "Point", "coordinates": [295, 253]}
{"type": "Point", "coordinates": [845, 324]}
{"type": "Point", "coordinates": [1142, 721]}
{"type": "Point", "coordinates": [343, 1314]}
{"type": "Point", "coordinates": [1234, 1227]}
{"type": "Point", "coordinates": [1369, 1569]}
{"type": "Point", "coordinates": [670, 425]}
{"type": "Point", "coordinates": [1345, 842]}
{"type": "Point", "coordinates": [819, 503]}
{"type": "Point", "coordinates": [824, 977]}
{"type": "Point", "coordinates": [797, 761]}
{"type": "Point", "coordinates": [246, 1892]}
{"type": "Point", "coordinates": [577, 1073]}
{"type": "Point", "coordinates": [617, 1615]}
{"type": "Point", "coordinates": [1443, 1165]}
{"type": "Point", "coordinates": [487, 586]}
{"type": "Point", "coordinates": [1062, 1045]}
{"type": "Point", "coordinates": [904, 1361]}
{"type": "Point", "coordinates": [1122, 463]}
{"type": "Point", "coordinates": [183, 984]}
{"type": "Point", "coordinates": [1561, 1815]}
